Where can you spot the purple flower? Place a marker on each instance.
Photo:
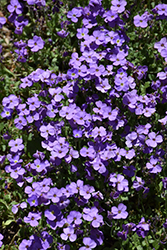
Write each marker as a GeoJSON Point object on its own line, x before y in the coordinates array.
{"type": "Point", "coordinates": [18, 171]}
{"type": "Point", "coordinates": [2, 158]}
{"type": "Point", "coordinates": [92, 215]}
{"type": "Point", "coordinates": [164, 181]}
{"type": "Point", "coordinates": [99, 37]}
{"type": "Point", "coordinates": [34, 190]}
{"type": "Point", "coordinates": [7, 113]}
{"type": "Point", "coordinates": [33, 200]}
{"type": "Point", "coordinates": [74, 14]}
{"type": "Point", "coordinates": [62, 33]}
{"type": "Point", "coordinates": [2, 21]}
{"type": "Point", "coordinates": [130, 154]}
{"type": "Point", "coordinates": [59, 151]}
{"type": "Point", "coordinates": [69, 234]}
{"type": "Point", "coordinates": [141, 71]}
{"type": "Point", "coordinates": [15, 6]}
{"type": "Point", "coordinates": [110, 16]}
{"type": "Point", "coordinates": [55, 92]}
{"type": "Point", "coordinates": [89, 244]}
{"type": "Point", "coordinates": [162, 44]}
{"type": "Point", "coordinates": [153, 166]}
{"type": "Point", "coordinates": [33, 103]}
{"type": "Point", "coordinates": [52, 213]}
{"type": "Point", "coordinates": [131, 139]}
{"type": "Point", "coordinates": [120, 212]}
{"type": "Point", "coordinates": [110, 114]}
{"type": "Point", "coordinates": [153, 139]}
{"type": "Point", "coordinates": [1, 237]}
{"type": "Point", "coordinates": [46, 240]}
{"type": "Point", "coordinates": [77, 133]}
{"type": "Point", "coordinates": [129, 170]}
{"type": "Point", "coordinates": [80, 117]}
{"type": "Point", "coordinates": [122, 84]}
{"type": "Point", "coordinates": [36, 242]}
{"type": "Point", "coordinates": [39, 155]}
{"type": "Point", "coordinates": [148, 111]}
{"type": "Point", "coordinates": [47, 130]}
{"type": "Point", "coordinates": [120, 182]}
{"type": "Point", "coordinates": [140, 21]}
{"type": "Point", "coordinates": [72, 73]}
{"type": "Point", "coordinates": [54, 194]}
{"type": "Point", "coordinates": [165, 224]}
{"type": "Point", "coordinates": [25, 244]}
{"type": "Point", "coordinates": [36, 43]}
{"type": "Point", "coordinates": [38, 165]}
{"type": "Point", "coordinates": [20, 122]}
{"type": "Point", "coordinates": [103, 85]}
{"type": "Point", "coordinates": [86, 191]}
{"type": "Point", "coordinates": [26, 82]}
{"type": "Point", "coordinates": [138, 184]}
{"type": "Point", "coordinates": [98, 165]}
{"type": "Point", "coordinates": [101, 131]}
{"type": "Point", "coordinates": [32, 218]}
{"type": "Point", "coordinates": [72, 154]}
{"type": "Point", "coordinates": [63, 247]}
{"type": "Point", "coordinates": [75, 217]}
{"type": "Point", "coordinates": [10, 102]}
{"type": "Point", "coordinates": [16, 145]}
{"type": "Point", "coordinates": [118, 6]}
{"type": "Point", "coordinates": [142, 228]}
{"type": "Point", "coordinates": [90, 152]}
{"type": "Point", "coordinates": [82, 33]}
{"type": "Point", "coordinates": [16, 207]}
{"type": "Point", "coordinates": [97, 236]}
{"type": "Point", "coordinates": [119, 59]}
{"type": "Point", "coordinates": [123, 235]}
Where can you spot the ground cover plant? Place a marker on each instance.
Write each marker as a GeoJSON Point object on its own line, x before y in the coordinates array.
{"type": "Point", "coordinates": [83, 93]}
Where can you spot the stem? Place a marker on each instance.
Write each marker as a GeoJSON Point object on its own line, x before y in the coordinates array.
{"type": "Point", "coordinates": [13, 240]}
{"type": "Point", "coordinates": [8, 71]}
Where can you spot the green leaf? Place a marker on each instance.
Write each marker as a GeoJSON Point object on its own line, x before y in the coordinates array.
{"type": "Point", "coordinates": [125, 198]}
{"type": "Point", "coordinates": [7, 223]}
{"type": "Point", "coordinates": [144, 87]}
{"type": "Point", "coordinates": [4, 203]}
{"type": "Point", "coordinates": [2, 125]}
{"type": "Point", "coordinates": [159, 232]}
{"type": "Point", "coordinates": [136, 242]}
{"type": "Point", "coordinates": [156, 244]}
{"type": "Point", "coordinates": [2, 247]}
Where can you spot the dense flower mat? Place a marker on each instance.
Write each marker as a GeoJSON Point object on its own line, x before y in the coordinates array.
{"type": "Point", "coordinates": [83, 125]}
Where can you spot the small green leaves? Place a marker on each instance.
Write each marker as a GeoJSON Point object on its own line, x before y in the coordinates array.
{"type": "Point", "coordinates": [7, 223]}
{"type": "Point", "coordinates": [144, 87]}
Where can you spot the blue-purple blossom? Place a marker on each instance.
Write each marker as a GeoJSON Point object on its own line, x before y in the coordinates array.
{"type": "Point", "coordinates": [118, 6]}
{"type": "Point", "coordinates": [15, 6]}
{"type": "Point", "coordinates": [2, 21]}
{"type": "Point", "coordinates": [16, 145]}
{"type": "Point", "coordinates": [142, 228]}
{"type": "Point", "coordinates": [138, 184]}
{"type": "Point", "coordinates": [140, 21]}
{"type": "Point", "coordinates": [153, 139]}
{"type": "Point", "coordinates": [1, 238]}
{"type": "Point", "coordinates": [32, 218]}
{"type": "Point", "coordinates": [120, 212]}
{"type": "Point", "coordinates": [68, 233]}
{"type": "Point", "coordinates": [74, 14]}
{"type": "Point", "coordinates": [89, 244]}
{"type": "Point", "coordinates": [36, 43]}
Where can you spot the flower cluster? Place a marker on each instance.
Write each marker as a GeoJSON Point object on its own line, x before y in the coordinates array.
{"type": "Point", "coordinates": [90, 142]}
